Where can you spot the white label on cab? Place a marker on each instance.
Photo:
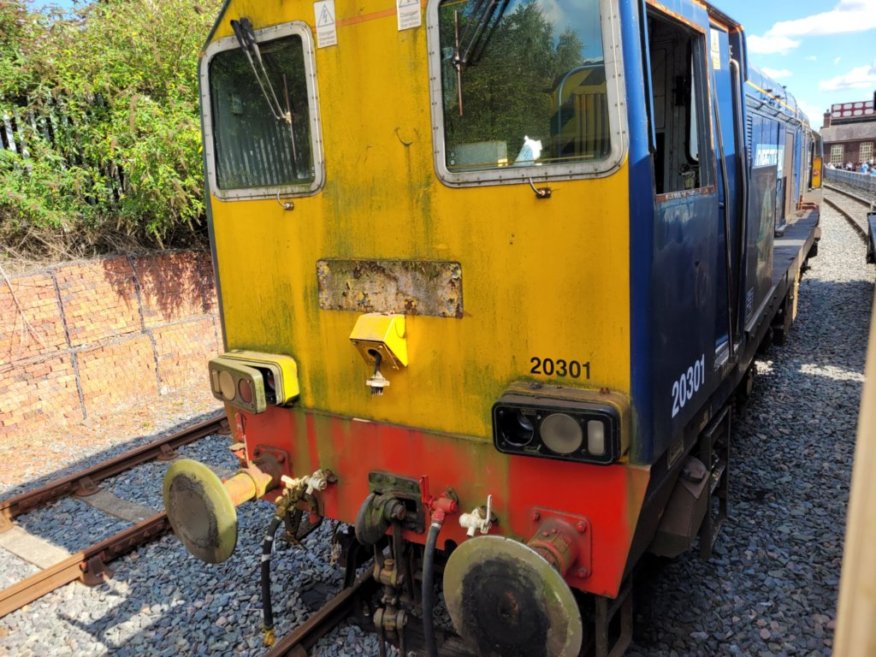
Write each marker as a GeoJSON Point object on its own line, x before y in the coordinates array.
{"type": "Point", "coordinates": [408, 14]}
{"type": "Point", "coordinates": [326, 23]}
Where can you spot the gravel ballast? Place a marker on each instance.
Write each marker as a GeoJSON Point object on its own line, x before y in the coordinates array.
{"type": "Point", "coordinates": [770, 589]}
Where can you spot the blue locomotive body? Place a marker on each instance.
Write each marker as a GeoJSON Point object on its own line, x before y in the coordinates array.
{"type": "Point", "coordinates": [720, 160]}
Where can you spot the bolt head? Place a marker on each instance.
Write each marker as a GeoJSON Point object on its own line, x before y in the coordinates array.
{"type": "Point", "coordinates": [536, 516]}
{"type": "Point", "coordinates": [583, 573]}
{"type": "Point", "coordinates": [581, 527]}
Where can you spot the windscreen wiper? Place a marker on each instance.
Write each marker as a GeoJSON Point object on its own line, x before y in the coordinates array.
{"type": "Point", "coordinates": [469, 47]}
{"type": "Point", "coordinates": [486, 15]}
{"type": "Point", "coordinates": [247, 40]}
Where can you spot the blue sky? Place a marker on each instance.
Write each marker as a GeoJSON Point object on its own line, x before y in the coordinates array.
{"type": "Point", "coordinates": [824, 52]}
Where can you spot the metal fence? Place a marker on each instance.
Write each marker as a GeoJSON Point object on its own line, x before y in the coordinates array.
{"type": "Point", "coordinates": [862, 181]}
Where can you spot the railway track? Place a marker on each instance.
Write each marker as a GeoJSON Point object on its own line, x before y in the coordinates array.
{"type": "Point", "coordinates": [90, 564]}
{"type": "Point", "coordinates": [852, 207]}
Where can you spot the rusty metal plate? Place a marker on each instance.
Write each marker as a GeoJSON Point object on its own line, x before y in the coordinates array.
{"type": "Point", "coordinates": [408, 287]}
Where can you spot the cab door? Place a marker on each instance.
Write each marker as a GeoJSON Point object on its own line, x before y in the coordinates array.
{"type": "Point", "coordinates": [687, 266]}
{"type": "Point", "coordinates": [727, 97]}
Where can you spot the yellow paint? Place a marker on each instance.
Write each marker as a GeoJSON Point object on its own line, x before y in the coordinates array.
{"type": "Point", "coordinates": [816, 172]}
{"type": "Point", "coordinates": [384, 334]}
{"type": "Point", "coordinates": [540, 278]}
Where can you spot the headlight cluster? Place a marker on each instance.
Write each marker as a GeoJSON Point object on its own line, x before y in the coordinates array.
{"type": "Point", "coordinates": [565, 429]}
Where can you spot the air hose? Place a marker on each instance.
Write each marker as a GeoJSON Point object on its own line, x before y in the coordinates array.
{"type": "Point", "coordinates": [428, 590]}
{"type": "Point", "coordinates": [267, 548]}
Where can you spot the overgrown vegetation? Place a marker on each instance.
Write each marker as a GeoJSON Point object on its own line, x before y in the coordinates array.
{"type": "Point", "coordinates": [102, 107]}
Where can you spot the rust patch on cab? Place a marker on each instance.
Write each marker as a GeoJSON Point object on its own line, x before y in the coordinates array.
{"type": "Point", "coordinates": [409, 287]}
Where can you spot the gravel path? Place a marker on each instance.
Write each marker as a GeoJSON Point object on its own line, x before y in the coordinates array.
{"type": "Point", "coordinates": [770, 589]}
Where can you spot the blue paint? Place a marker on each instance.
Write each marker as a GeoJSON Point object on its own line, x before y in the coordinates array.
{"type": "Point", "coordinates": [641, 231]}
{"type": "Point", "coordinates": [683, 295]}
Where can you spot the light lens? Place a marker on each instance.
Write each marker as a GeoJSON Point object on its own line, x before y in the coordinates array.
{"type": "Point", "coordinates": [596, 437]}
{"type": "Point", "coordinates": [561, 433]}
{"type": "Point", "coordinates": [514, 427]}
{"type": "Point", "coordinates": [226, 385]}
{"type": "Point", "coordinates": [244, 387]}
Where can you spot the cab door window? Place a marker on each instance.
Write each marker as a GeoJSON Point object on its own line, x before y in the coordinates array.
{"type": "Point", "coordinates": [678, 75]}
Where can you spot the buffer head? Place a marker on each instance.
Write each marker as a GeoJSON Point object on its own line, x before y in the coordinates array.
{"type": "Point", "coordinates": [200, 510]}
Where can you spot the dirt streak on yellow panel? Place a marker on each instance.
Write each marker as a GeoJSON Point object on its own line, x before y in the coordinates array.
{"type": "Point", "coordinates": [541, 278]}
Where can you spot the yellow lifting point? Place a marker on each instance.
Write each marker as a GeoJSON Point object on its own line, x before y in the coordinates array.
{"type": "Point", "coordinates": [381, 337]}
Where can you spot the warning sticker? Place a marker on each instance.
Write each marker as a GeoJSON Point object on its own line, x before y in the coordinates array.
{"type": "Point", "coordinates": [326, 23]}
{"type": "Point", "coordinates": [716, 50]}
{"type": "Point", "coordinates": [408, 14]}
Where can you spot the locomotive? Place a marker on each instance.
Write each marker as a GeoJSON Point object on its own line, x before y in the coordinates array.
{"type": "Point", "coordinates": [491, 274]}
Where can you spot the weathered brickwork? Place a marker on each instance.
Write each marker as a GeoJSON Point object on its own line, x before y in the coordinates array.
{"type": "Point", "coordinates": [84, 338]}
{"type": "Point", "coordinates": [183, 352]}
{"type": "Point", "coordinates": [99, 299]}
{"type": "Point", "coordinates": [113, 374]}
{"type": "Point", "coordinates": [36, 329]}
{"type": "Point", "coordinates": [41, 391]}
{"type": "Point", "coordinates": [211, 303]}
{"type": "Point", "coordinates": [171, 288]}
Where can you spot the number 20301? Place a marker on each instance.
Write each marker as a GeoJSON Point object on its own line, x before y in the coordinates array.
{"type": "Point", "coordinates": [688, 384]}
{"type": "Point", "coordinates": [560, 367]}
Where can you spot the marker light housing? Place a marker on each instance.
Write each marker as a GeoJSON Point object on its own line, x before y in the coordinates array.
{"type": "Point", "coordinates": [252, 381]}
{"type": "Point", "coordinates": [568, 424]}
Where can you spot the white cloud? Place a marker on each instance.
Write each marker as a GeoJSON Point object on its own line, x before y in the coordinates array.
{"type": "Point", "coordinates": [814, 112]}
{"type": "Point", "coordinates": [847, 16]}
{"type": "Point", "coordinates": [860, 77]}
{"type": "Point", "coordinates": [837, 60]}
{"type": "Point", "coordinates": [771, 45]}
{"type": "Point", "coordinates": [777, 73]}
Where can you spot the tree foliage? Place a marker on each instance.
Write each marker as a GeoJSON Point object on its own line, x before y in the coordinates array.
{"type": "Point", "coordinates": [507, 91]}
{"type": "Point", "coordinates": [102, 105]}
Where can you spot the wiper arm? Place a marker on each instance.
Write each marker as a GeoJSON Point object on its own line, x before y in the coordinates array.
{"type": "Point", "coordinates": [470, 47]}
{"type": "Point", "coordinates": [246, 38]}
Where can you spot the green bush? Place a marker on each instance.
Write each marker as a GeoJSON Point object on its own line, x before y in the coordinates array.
{"type": "Point", "coordinates": [105, 102]}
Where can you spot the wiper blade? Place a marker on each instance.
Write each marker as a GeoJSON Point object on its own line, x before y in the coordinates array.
{"type": "Point", "coordinates": [246, 38]}
{"type": "Point", "coordinates": [470, 46]}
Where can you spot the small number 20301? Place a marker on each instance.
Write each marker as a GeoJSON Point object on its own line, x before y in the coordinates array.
{"type": "Point", "coordinates": [560, 367]}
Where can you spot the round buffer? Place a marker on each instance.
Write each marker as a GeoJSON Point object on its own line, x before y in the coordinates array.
{"type": "Point", "coordinates": [506, 599]}
{"type": "Point", "coordinates": [200, 510]}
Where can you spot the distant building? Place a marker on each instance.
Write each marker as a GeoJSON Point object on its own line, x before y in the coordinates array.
{"type": "Point", "coordinates": [849, 133]}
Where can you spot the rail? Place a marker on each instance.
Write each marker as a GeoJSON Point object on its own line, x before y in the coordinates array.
{"type": "Point", "coordinates": [859, 225]}
{"type": "Point", "coordinates": [89, 565]}
{"type": "Point", "coordinates": [344, 604]}
{"type": "Point", "coordinates": [85, 481]}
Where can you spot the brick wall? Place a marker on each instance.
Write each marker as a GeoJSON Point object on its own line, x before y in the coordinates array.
{"type": "Point", "coordinates": [80, 339]}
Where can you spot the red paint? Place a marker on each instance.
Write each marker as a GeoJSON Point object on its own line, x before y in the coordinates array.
{"type": "Point", "coordinates": [608, 497]}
